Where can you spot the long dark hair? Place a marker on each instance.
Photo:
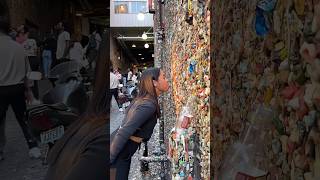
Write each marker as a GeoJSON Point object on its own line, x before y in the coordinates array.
{"type": "Point", "coordinates": [99, 105]}
{"type": "Point", "coordinates": [146, 87]}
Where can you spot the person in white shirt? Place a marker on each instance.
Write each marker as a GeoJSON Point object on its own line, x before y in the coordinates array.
{"type": "Point", "coordinates": [129, 78]}
{"type": "Point", "coordinates": [13, 84]}
{"type": "Point", "coordinates": [135, 78]}
{"type": "Point", "coordinates": [62, 42]}
{"type": "Point", "coordinates": [31, 50]}
{"type": "Point", "coordinates": [76, 52]}
{"type": "Point", "coordinates": [114, 83]}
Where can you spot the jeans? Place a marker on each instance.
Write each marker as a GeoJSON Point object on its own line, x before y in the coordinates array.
{"type": "Point", "coordinates": [121, 166]}
{"type": "Point", "coordinates": [47, 61]}
{"type": "Point", "coordinates": [14, 96]}
{"type": "Point", "coordinates": [114, 92]}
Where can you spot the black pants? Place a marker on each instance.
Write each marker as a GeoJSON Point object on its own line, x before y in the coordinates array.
{"type": "Point", "coordinates": [14, 96]}
{"type": "Point", "coordinates": [114, 92]}
{"type": "Point", "coordinates": [35, 66]}
{"type": "Point", "coordinates": [123, 162]}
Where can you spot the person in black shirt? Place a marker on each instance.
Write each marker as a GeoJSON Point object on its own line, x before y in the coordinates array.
{"type": "Point", "coordinates": [140, 120]}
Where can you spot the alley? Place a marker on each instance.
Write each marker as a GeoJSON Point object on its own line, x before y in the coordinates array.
{"type": "Point", "coordinates": [17, 164]}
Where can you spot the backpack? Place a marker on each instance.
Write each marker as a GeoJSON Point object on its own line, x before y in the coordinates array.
{"type": "Point", "coordinates": [92, 42]}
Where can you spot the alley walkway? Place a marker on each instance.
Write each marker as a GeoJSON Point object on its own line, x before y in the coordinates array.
{"type": "Point", "coordinates": [17, 165]}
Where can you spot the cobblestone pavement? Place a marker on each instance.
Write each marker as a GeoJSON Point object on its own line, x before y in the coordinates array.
{"type": "Point", "coordinates": [17, 165]}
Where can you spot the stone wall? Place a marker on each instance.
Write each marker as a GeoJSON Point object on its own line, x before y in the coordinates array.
{"type": "Point", "coordinates": [266, 95]}
{"type": "Point", "coordinates": [184, 56]}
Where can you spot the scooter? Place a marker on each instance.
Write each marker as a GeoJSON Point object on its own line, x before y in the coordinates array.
{"type": "Point", "coordinates": [61, 106]}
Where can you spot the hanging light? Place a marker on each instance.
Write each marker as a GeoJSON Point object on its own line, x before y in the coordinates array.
{"type": "Point", "coordinates": [146, 45]}
{"type": "Point", "coordinates": [139, 54]}
{"type": "Point", "coordinates": [144, 36]}
{"type": "Point", "coordinates": [140, 16]}
{"type": "Point", "coordinates": [133, 45]}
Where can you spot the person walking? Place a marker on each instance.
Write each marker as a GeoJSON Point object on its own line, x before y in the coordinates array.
{"type": "Point", "coordinates": [138, 124]}
{"type": "Point", "coordinates": [31, 49]}
{"type": "Point", "coordinates": [14, 88]}
{"type": "Point", "coordinates": [63, 43]}
{"type": "Point", "coordinates": [46, 58]}
{"type": "Point", "coordinates": [114, 84]}
{"type": "Point", "coordinates": [130, 73]}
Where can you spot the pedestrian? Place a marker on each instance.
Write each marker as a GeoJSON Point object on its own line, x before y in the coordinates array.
{"type": "Point", "coordinates": [76, 51]}
{"type": "Point", "coordinates": [14, 89]}
{"type": "Point", "coordinates": [140, 119]}
{"type": "Point", "coordinates": [135, 78]}
{"type": "Point", "coordinates": [114, 84]}
{"type": "Point", "coordinates": [46, 58]}
{"type": "Point", "coordinates": [81, 154]}
{"type": "Point", "coordinates": [63, 43]}
{"type": "Point", "coordinates": [129, 78]}
{"type": "Point", "coordinates": [118, 74]}
{"type": "Point", "coordinates": [93, 46]}
{"type": "Point", "coordinates": [31, 49]}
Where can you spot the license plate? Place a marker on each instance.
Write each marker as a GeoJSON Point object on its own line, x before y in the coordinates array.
{"type": "Point", "coordinates": [52, 135]}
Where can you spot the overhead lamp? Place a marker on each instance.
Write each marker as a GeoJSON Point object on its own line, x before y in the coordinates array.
{"type": "Point", "coordinates": [133, 45]}
{"type": "Point", "coordinates": [144, 36]}
{"type": "Point", "coordinates": [139, 54]}
{"type": "Point", "coordinates": [140, 16]}
{"type": "Point", "coordinates": [146, 45]}
{"type": "Point", "coordinates": [142, 58]}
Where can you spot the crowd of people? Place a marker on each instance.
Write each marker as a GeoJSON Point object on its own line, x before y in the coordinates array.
{"type": "Point", "coordinates": [118, 81]}
{"type": "Point", "coordinates": [57, 46]}
{"type": "Point", "coordinates": [81, 152]}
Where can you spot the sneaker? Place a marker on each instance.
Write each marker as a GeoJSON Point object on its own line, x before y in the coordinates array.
{"type": "Point", "coordinates": [35, 153]}
{"type": "Point", "coordinates": [121, 109]}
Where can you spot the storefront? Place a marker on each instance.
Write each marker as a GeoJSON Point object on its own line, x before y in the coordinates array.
{"type": "Point", "coordinates": [184, 55]}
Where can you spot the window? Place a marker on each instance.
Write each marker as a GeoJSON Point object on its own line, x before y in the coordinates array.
{"type": "Point", "coordinates": [130, 7]}
{"type": "Point", "coordinates": [121, 7]}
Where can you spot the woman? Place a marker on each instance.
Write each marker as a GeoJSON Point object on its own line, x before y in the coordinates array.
{"type": "Point", "coordinates": [139, 122]}
{"type": "Point", "coordinates": [46, 58]}
{"type": "Point", "coordinates": [30, 46]}
{"type": "Point", "coordinates": [76, 51]}
{"type": "Point", "coordinates": [82, 153]}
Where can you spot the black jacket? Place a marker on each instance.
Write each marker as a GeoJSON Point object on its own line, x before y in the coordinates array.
{"type": "Point", "coordinates": [139, 121]}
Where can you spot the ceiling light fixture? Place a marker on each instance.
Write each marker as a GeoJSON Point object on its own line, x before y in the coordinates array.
{"type": "Point", "coordinates": [139, 54]}
{"type": "Point", "coordinates": [140, 16]}
{"type": "Point", "coordinates": [142, 58]}
{"type": "Point", "coordinates": [144, 36]}
{"type": "Point", "coordinates": [146, 46]}
{"type": "Point", "coordinates": [133, 45]}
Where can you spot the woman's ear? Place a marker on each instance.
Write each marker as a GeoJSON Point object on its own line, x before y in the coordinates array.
{"type": "Point", "coordinates": [155, 83]}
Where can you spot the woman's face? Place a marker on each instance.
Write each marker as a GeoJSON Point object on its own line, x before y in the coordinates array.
{"type": "Point", "coordinates": [162, 84]}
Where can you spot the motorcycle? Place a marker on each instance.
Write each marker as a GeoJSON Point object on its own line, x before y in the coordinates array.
{"type": "Point", "coordinates": [62, 105]}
